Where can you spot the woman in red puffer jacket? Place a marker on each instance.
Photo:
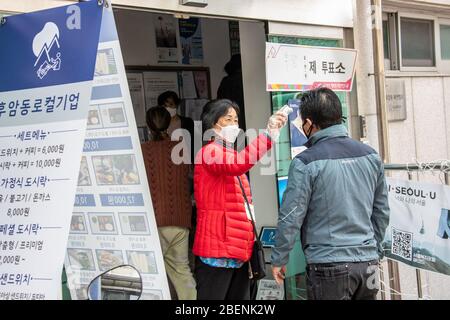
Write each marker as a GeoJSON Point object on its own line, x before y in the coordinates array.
{"type": "Point", "coordinates": [224, 235]}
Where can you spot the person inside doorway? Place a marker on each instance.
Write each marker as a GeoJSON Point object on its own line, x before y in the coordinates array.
{"type": "Point", "coordinates": [171, 101]}
{"type": "Point", "coordinates": [231, 87]}
{"type": "Point", "coordinates": [171, 197]}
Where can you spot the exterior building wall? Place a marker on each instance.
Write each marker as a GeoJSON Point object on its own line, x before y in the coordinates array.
{"type": "Point", "coordinates": [322, 12]}
{"type": "Point", "coordinates": [425, 134]}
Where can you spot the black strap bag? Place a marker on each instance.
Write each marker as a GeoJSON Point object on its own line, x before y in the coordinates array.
{"type": "Point", "coordinates": [257, 262]}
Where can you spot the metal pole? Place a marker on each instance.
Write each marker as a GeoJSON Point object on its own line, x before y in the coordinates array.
{"type": "Point", "coordinates": [382, 287]}
{"type": "Point", "coordinates": [418, 275]}
{"type": "Point", "coordinates": [380, 85]}
{"type": "Point", "coordinates": [380, 78]}
{"type": "Point", "coordinates": [419, 284]}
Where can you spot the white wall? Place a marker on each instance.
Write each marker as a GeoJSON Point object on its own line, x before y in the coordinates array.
{"type": "Point", "coordinates": [320, 12]}
{"type": "Point", "coordinates": [216, 49]}
{"type": "Point", "coordinates": [31, 5]}
{"type": "Point", "coordinates": [258, 111]}
{"type": "Point", "coordinates": [424, 136]}
{"type": "Point", "coordinates": [138, 43]}
{"type": "Point", "coordinates": [137, 37]}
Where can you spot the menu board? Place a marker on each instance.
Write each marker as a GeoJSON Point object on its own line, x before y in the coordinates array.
{"type": "Point", "coordinates": [113, 221]}
{"type": "Point", "coordinates": [43, 108]}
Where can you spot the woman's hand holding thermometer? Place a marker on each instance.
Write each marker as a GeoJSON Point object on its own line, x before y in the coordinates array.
{"type": "Point", "coordinates": [278, 121]}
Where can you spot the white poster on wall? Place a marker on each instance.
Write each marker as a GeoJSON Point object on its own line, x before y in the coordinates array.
{"type": "Point", "coordinates": [194, 108]}
{"type": "Point", "coordinates": [189, 90]}
{"type": "Point", "coordinates": [43, 107]}
{"type": "Point", "coordinates": [157, 82]}
{"type": "Point", "coordinates": [166, 31]}
{"type": "Point", "coordinates": [136, 85]}
{"type": "Point", "coordinates": [302, 68]}
{"type": "Point", "coordinates": [396, 99]}
{"type": "Point", "coordinates": [113, 221]}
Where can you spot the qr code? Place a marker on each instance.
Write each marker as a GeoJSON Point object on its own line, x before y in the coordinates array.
{"type": "Point", "coordinates": [402, 244]}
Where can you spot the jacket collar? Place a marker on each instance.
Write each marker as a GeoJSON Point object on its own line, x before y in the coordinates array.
{"type": "Point", "coordinates": [335, 131]}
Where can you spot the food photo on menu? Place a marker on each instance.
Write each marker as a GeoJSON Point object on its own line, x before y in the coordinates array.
{"type": "Point", "coordinates": [109, 258]}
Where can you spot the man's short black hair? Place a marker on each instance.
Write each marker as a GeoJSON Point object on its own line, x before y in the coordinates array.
{"type": "Point", "coordinates": [163, 97]}
{"type": "Point", "coordinates": [322, 106]}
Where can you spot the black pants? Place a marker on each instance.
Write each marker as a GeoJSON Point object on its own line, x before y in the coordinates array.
{"type": "Point", "coordinates": [221, 283]}
{"type": "Point", "coordinates": [343, 281]}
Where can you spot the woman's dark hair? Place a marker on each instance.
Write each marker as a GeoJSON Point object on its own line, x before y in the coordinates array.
{"type": "Point", "coordinates": [322, 106]}
{"type": "Point", "coordinates": [158, 120]}
{"type": "Point", "coordinates": [234, 65]}
{"type": "Point", "coordinates": [214, 110]}
{"type": "Point", "coordinates": [163, 97]}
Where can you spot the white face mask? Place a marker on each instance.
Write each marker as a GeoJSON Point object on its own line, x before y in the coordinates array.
{"type": "Point", "coordinates": [230, 133]}
{"type": "Point", "coordinates": [172, 111]}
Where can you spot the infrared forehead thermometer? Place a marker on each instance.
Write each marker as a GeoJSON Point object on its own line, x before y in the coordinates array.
{"type": "Point", "coordinates": [287, 110]}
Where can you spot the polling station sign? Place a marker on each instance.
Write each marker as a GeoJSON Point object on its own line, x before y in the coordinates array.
{"type": "Point", "coordinates": [302, 68]}
{"type": "Point", "coordinates": [419, 228]}
{"type": "Point", "coordinates": [47, 65]}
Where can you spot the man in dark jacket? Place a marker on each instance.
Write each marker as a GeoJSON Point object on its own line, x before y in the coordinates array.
{"type": "Point", "coordinates": [337, 198]}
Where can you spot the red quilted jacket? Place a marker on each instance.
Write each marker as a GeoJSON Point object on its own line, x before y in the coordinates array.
{"type": "Point", "coordinates": [223, 229]}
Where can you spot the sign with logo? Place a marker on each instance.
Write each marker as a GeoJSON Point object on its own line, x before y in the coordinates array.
{"type": "Point", "coordinates": [419, 227]}
{"type": "Point", "coordinates": [44, 97]}
{"type": "Point", "coordinates": [113, 221]}
{"type": "Point", "coordinates": [267, 236]}
{"type": "Point", "coordinates": [268, 289]}
{"type": "Point", "coordinates": [302, 68]}
{"type": "Point", "coordinates": [46, 49]}
{"type": "Point", "coordinates": [396, 99]}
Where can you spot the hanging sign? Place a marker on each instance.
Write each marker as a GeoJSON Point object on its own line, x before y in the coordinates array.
{"type": "Point", "coordinates": [302, 68]}
{"type": "Point", "coordinates": [419, 228]}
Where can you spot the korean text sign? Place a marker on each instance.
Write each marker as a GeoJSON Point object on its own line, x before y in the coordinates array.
{"type": "Point", "coordinates": [113, 222]}
{"type": "Point", "coordinates": [301, 68]}
{"type": "Point", "coordinates": [44, 96]}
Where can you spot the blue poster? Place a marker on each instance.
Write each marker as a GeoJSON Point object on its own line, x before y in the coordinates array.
{"type": "Point", "coordinates": [47, 63]}
{"type": "Point", "coordinates": [42, 48]}
{"type": "Point", "coordinates": [267, 237]}
{"type": "Point", "coordinates": [282, 184]}
{"type": "Point", "coordinates": [191, 40]}
{"type": "Point", "coordinates": [298, 138]}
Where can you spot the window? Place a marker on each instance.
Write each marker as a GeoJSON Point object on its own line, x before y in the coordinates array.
{"type": "Point", "coordinates": [387, 54]}
{"type": "Point", "coordinates": [418, 48]}
{"type": "Point", "coordinates": [445, 42]}
{"type": "Point", "coordinates": [390, 36]}
{"type": "Point", "coordinates": [410, 42]}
